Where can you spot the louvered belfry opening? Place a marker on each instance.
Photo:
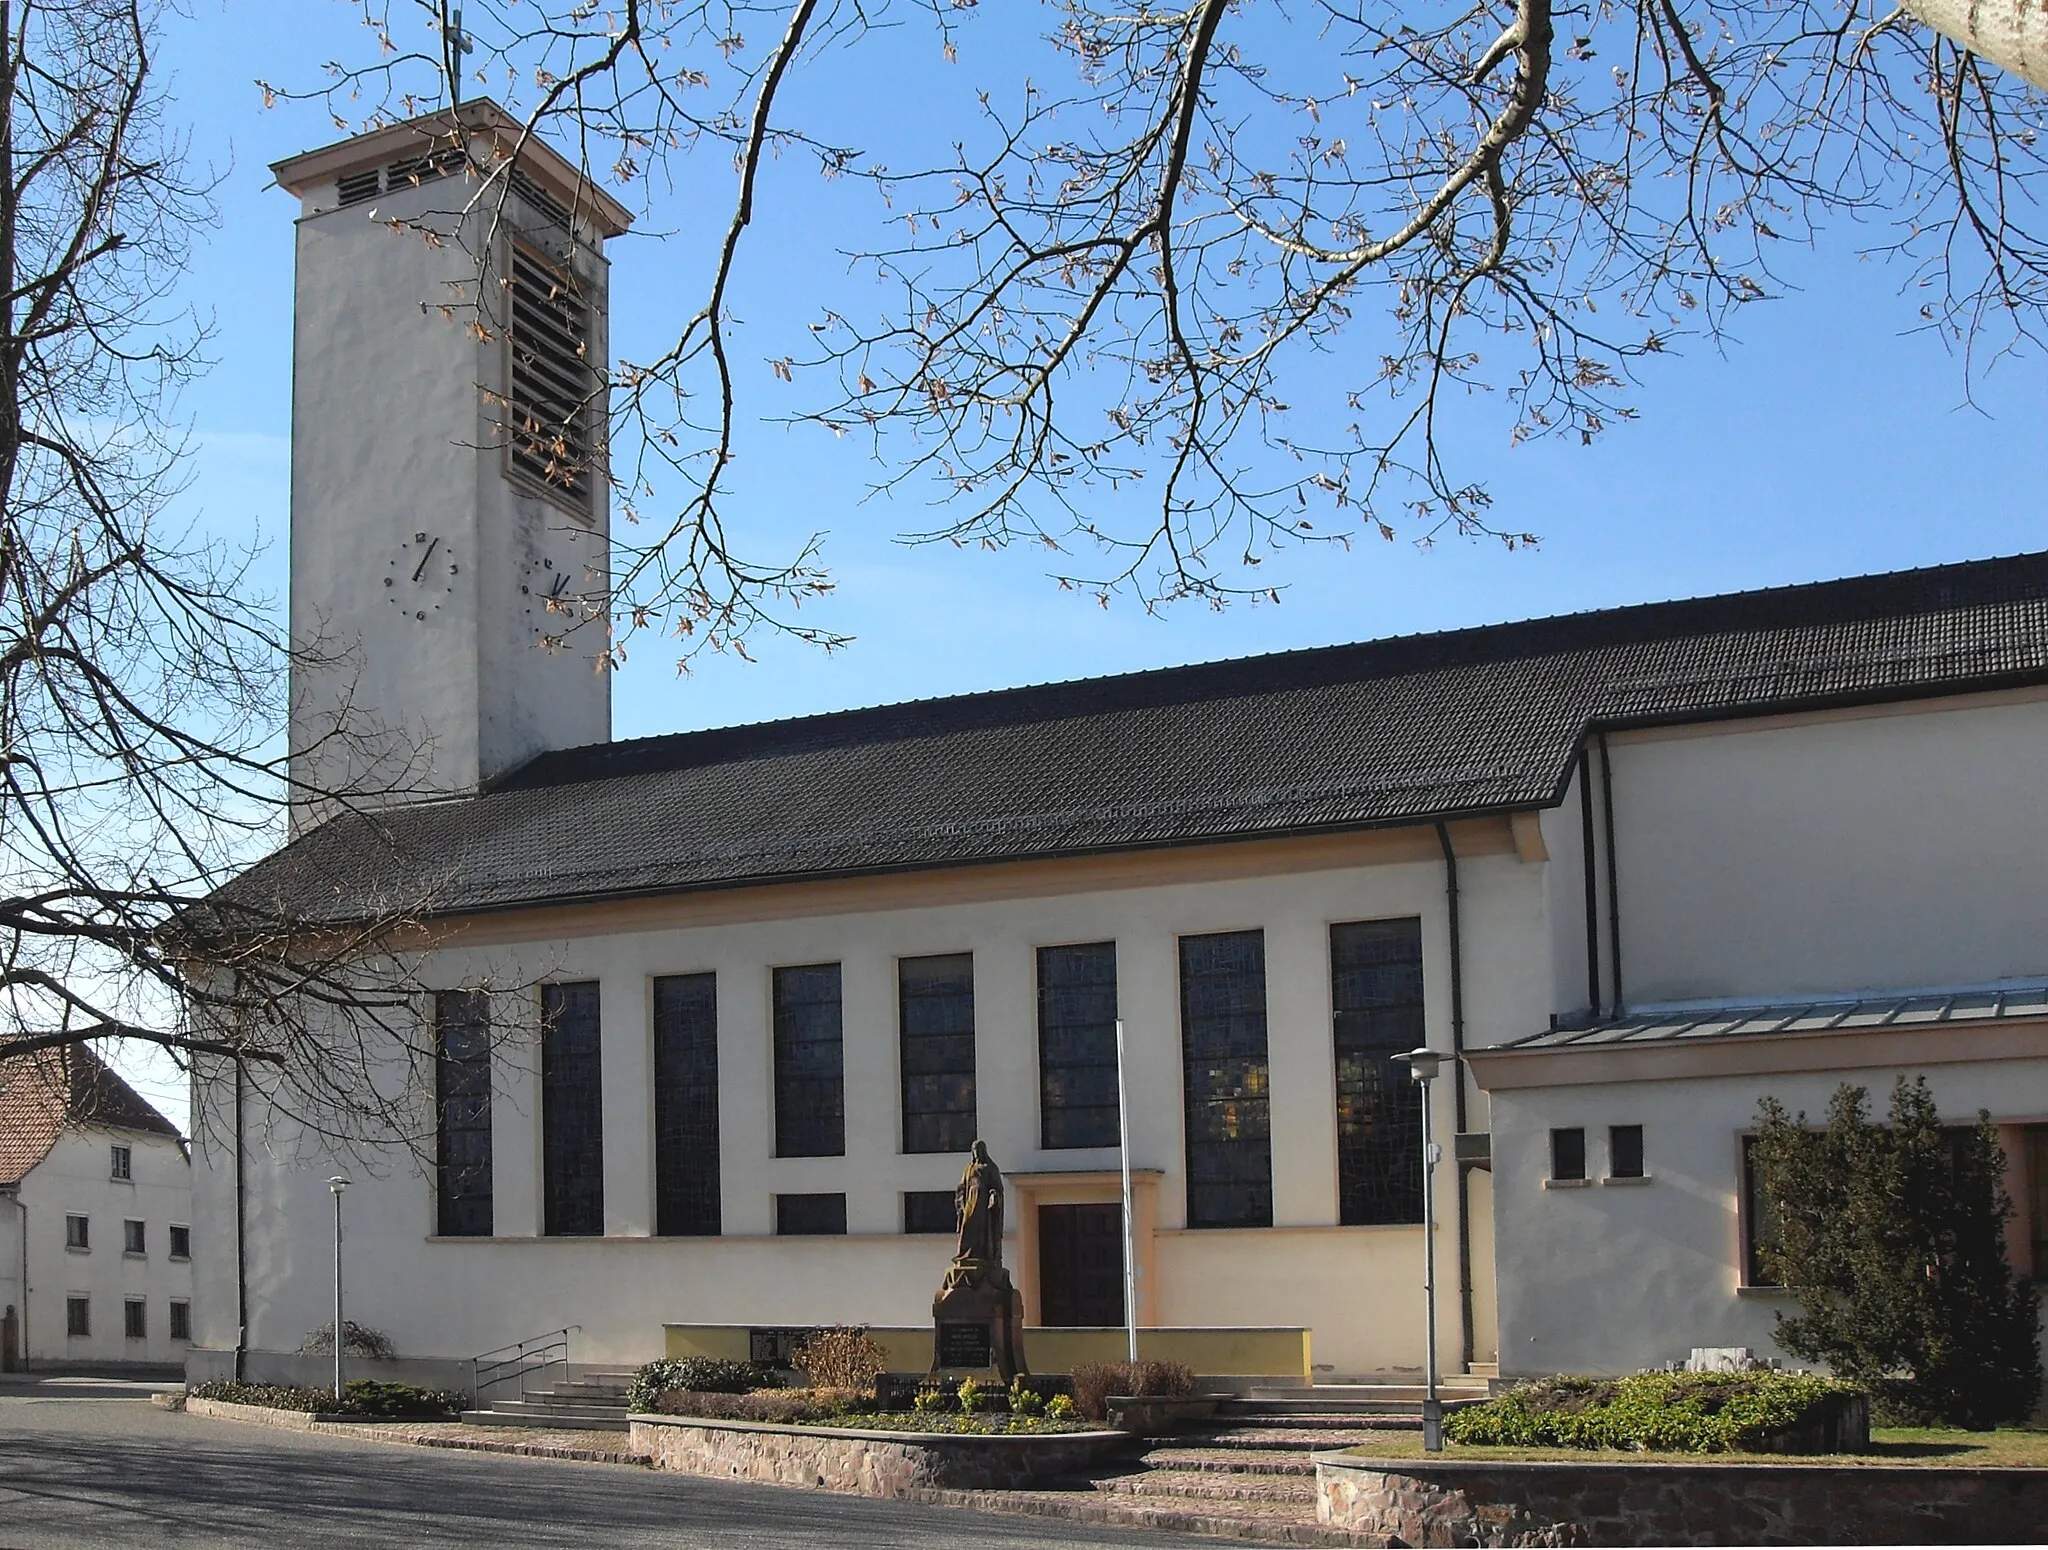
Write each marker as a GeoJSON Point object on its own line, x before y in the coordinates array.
{"type": "Point", "coordinates": [553, 386]}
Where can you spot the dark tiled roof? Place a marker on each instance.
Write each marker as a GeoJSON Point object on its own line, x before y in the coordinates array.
{"type": "Point", "coordinates": [1896, 1010]}
{"type": "Point", "coordinates": [1392, 731]}
{"type": "Point", "coordinates": [41, 1094]}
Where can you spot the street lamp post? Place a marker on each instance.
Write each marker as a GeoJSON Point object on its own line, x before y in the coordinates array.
{"type": "Point", "coordinates": [337, 1184]}
{"type": "Point", "coordinates": [1423, 1065]}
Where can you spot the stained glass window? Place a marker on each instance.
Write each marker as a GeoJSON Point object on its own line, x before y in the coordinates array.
{"type": "Point", "coordinates": [571, 1112]}
{"type": "Point", "coordinates": [462, 1106]}
{"type": "Point", "coordinates": [1376, 1005]}
{"type": "Point", "coordinates": [1223, 1051]}
{"type": "Point", "coordinates": [935, 1007]}
{"type": "Point", "coordinates": [686, 1200]}
{"type": "Point", "coordinates": [1077, 1045]}
{"type": "Point", "coordinates": [810, 1063]}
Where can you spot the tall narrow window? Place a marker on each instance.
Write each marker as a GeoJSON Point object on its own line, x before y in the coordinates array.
{"type": "Point", "coordinates": [1077, 1045]}
{"type": "Point", "coordinates": [1223, 1052]}
{"type": "Point", "coordinates": [1568, 1154]}
{"type": "Point", "coordinates": [181, 1320]}
{"type": "Point", "coordinates": [553, 406]}
{"type": "Point", "coordinates": [1376, 1005]}
{"type": "Point", "coordinates": [135, 1319]}
{"type": "Point", "coordinates": [1624, 1151]}
{"type": "Point", "coordinates": [123, 1163]}
{"type": "Point", "coordinates": [571, 1112]}
{"type": "Point", "coordinates": [462, 1113]}
{"type": "Point", "coordinates": [1759, 1220]}
{"type": "Point", "coordinates": [935, 1009]}
{"type": "Point", "coordinates": [77, 1232]}
{"type": "Point", "coordinates": [78, 1317]}
{"type": "Point", "coordinates": [686, 1106]}
{"type": "Point", "coordinates": [810, 1063]}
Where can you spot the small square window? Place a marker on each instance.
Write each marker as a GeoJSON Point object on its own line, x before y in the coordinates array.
{"type": "Point", "coordinates": [133, 1240]}
{"type": "Point", "coordinates": [181, 1241]}
{"type": "Point", "coordinates": [1568, 1153]}
{"type": "Point", "coordinates": [124, 1163]}
{"type": "Point", "coordinates": [135, 1319]}
{"type": "Point", "coordinates": [78, 1317]}
{"type": "Point", "coordinates": [929, 1210]}
{"type": "Point", "coordinates": [181, 1320]}
{"type": "Point", "coordinates": [1624, 1151]}
{"type": "Point", "coordinates": [77, 1233]}
{"type": "Point", "coordinates": [798, 1215]}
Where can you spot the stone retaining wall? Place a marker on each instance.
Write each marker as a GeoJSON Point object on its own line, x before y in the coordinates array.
{"type": "Point", "coordinates": [867, 1463]}
{"type": "Point", "coordinates": [266, 1415]}
{"type": "Point", "coordinates": [1412, 1502]}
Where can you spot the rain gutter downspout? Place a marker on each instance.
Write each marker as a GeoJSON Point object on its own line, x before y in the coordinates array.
{"type": "Point", "coordinates": [22, 1206]}
{"type": "Point", "coordinates": [241, 1242]}
{"type": "Point", "coordinates": [1465, 1332]}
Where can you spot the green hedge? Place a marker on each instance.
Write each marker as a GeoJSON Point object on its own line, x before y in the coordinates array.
{"type": "Point", "coordinates": [698, 1375]}
{"type": "Point", "coordinates": [1659, 1412]}
{"type": "Point", "coordinates": [363, 1396]}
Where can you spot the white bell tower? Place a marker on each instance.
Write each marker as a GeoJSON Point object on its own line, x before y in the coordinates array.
{"type": "Point", "coordinates": [450, 517]}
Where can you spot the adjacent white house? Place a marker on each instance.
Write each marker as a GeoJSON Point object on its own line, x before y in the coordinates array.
{"type": "Point", "coordinates": [95, 1220]}
{"type": "Point", "coordinates": [718, 1014]}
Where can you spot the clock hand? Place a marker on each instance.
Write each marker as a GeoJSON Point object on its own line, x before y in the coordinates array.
{"type": "Point", "coordinates": [420, 569]}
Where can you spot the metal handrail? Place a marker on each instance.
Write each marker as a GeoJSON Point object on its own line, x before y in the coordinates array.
{"type": "Point", "coordinates": [521, 1360]}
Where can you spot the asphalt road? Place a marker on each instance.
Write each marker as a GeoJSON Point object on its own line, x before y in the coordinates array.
{"type": "Point", "coordinates": [95, 1465]}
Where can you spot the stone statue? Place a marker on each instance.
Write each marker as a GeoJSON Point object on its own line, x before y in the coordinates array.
{"type": "Point", "coordinates": [978, 1210]}
{"type": "Point", "coordinates": [977, 1318]}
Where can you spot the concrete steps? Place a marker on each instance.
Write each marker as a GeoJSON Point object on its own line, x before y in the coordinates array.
{"type": "Point", "coordinates": [591, 1401]}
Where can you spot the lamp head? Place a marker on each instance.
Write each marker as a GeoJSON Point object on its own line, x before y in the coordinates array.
{"type": "Point", "coordinates": [1423, 1064]}
{"type": "Point", "coordinates": [337, 1183]}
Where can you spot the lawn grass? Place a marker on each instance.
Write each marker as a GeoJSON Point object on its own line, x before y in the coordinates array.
{"type": "Point", "coordinates": [2007, 1448]}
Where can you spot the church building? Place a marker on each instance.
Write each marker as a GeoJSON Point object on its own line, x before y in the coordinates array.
{"type": "Point", "coordinates": [717, 1016]}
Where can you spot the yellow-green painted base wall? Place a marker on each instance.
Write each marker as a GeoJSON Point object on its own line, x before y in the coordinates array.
{"type": "Point", "coordinates": [1220, 1353]}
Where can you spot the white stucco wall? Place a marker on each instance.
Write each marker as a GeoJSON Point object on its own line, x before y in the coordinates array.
{"type": "Point", "coordinates": [76, 1178]}
{"type": "Point", "coordinates": [1613, 1278]}
{"type": "Point", "coordinates": [1359, 1288]}
{"type": "Point", "coordinates": [1901, 847]}
{"type": "Point", "coordinates": [442, 679]}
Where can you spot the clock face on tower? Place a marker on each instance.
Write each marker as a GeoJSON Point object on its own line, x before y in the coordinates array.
{"type": "Point", "coordinates": [421, 576]}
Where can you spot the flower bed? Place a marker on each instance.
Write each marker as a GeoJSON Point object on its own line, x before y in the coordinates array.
{"type": "Point", "coordinates": [365, 1398]}
{"type": "Point", "coordinates": [1683, 1412]}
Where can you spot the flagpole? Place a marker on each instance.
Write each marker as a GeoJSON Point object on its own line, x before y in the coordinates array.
{"type": "Point", "coordinates": [1123, 1127]}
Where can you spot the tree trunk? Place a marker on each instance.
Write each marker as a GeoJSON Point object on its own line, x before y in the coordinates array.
{"type": "Point", "coordinates": [2012, 34]}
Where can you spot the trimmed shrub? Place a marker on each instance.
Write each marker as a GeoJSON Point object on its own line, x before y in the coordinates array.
{"type": "Point", "coordinates": [784, 1407]}
{"type": "Point", "coordinates": [357, 1340]}
{"type": "Point", "coordinates": [271, 1396]}
{"type": "Point", "coordinates": [1656, 1412]}
{"type": "Point", "coordinates": [1096, 1382]}
{"type": "Point", "coordinates": [698, 1375]}
{"type": "Point", "coordinates": [843, 1357]}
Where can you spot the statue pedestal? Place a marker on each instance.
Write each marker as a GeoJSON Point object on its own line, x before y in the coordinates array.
{"type": "Point", "coordinates": [978, 1324]}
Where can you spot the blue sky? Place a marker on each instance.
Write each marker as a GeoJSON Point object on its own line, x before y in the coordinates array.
{"type": "Point", "coordinates": [1826, 441]}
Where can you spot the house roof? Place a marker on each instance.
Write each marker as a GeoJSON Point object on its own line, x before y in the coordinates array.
{"type": "Point", "coordinates": [1895, 1010]}
{"type": "Point", "coordinates": [1394, 731]}
{"type": "Point", "coordinates": [44, 1093]}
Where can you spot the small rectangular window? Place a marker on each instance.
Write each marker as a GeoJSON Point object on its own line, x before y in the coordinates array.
{"type": "Point", "coordinates": [1568, 1153]}
{"type": "Point", "coordinates": [929, 1210]}
{"type": "Point", "coordinates": [462, 1114]}
{"type": "Point", "coordinates": [77, 1233]}
{"type": "Point", "coordinates": [935, 1013]}
{"type": "Point", "coordinates": [181, 1241]}
{"type": "Point", "coordinates": [78, 1317]}
{"type": "Point", "coordinates": [1624, 1151]}
{"type": "Point", "coordinates": [800, 1215]}
{"type": "Point", "coordinates": [810, 1063]}
{"type": "Point", "coordinates": [133, 1238]}
{"type": "Point", "coordinates": [1224, 1077]}
{"type": "Point", "coordinates": [686, 1195]}
{"type": "Point", "coordinates": [123, 1163]}
{"type": "Point", "coordinates": [181, 1320]}
{"type": "Point", "coordinates": [571, 1111]}
{"type": "Point", "coordinates": [1077, 1045]}
{"type": "Point", "coordinates": [135, 1319]}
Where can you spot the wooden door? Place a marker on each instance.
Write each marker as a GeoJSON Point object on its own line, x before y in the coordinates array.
{"type": "Point", "coordinates": [1081, 1266]}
